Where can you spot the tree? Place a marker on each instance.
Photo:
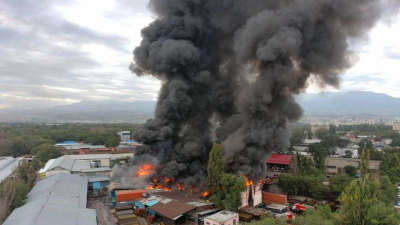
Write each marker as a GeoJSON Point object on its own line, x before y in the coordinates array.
{"type": "Point", "coordinates": [27, 172]}
{"type": "Point", "coordinates": [339, 182]}
{"type": "Point", "coordinates": [297, 137]}
{"type": "Point", "coordinates": [348, 154]}
{"type": "Point", "coordinates": [12, 195]}
{"type": "Point", "coordinates": [233, 187]}
{"type": "Point", "coordinates": [47, 154]}
{"type": "Point", "coordinates": [112, 142]}
{"type": "Point", "coordinates": [386, 191]}
{"type": "Point", "coordinates": [319, 152]}
{"type": "Point", "coordinates": [350, 170]}
{"type": "Point", "coordinates": [321, 133]}
{"type": "Point", "coordinates": [320, 216]}
{"type": "Point", "coordinates": [360, 204]}
{"type": "Point", "coordinates": [42, 147]}
{"type": "Point", "coordinates": [364, 143]}
{"type": "Point", "coordinates": [215, 171]}
{"type": "Point", "coordinates": [309, 134]}
{"type": "Point", "coordinates": [332, 129]}
{"type": "Point", "coordinates": [270, 221]}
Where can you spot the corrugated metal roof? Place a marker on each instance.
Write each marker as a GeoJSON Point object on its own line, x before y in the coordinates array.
{"type": "Point", "coordinates": [8, 167]}
{"type": "Point", "coordinates": [172, 209]}
{"type": "Point", "coordinates": [59, 199]}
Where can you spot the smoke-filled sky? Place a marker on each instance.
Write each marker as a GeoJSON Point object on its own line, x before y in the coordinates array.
{"type": "Point", "coordinates": [61, 52]}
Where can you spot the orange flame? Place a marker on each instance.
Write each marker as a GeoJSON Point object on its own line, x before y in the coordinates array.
{"type": "Point", "coordinates": [205, 194]}
{"type": "Point", "coordinates": [249, 182]}
{"type": "Point", "coordinates": [179, 186]}
{"type": "Point", "coordinates": [167, 180]}
{"type": "Point", "coordinates": [144, 170]}
{"type": "Point", "coordinates": [167, 189]}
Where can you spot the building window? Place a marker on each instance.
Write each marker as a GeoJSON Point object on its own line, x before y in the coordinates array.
{"type": "Point", "coordinates": [208, 223]}
{"type": "Point", "coordinates": [234, 222]}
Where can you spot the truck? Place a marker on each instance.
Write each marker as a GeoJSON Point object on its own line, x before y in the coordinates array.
{"type": "Point", "coordinates": [299, 208]}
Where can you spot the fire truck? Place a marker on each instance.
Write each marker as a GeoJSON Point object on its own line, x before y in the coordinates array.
{"type": "Point", "coordinates": [299, 208]}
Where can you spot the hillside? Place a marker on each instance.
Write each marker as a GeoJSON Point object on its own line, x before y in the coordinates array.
{"type": "Point", "coordinates": [350, 103]}
{"type": "Point", "coordinates": [326, 104]}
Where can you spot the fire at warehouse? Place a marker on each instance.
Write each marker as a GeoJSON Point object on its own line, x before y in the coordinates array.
{"type": "Point", "coordinates": [237, 65]}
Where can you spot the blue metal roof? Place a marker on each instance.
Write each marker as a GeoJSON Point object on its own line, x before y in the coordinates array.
{"type": "Point", "coordinates": [151, 203]}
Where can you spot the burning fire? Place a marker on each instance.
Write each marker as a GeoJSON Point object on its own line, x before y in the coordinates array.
{"type": "Point", "coordinates": [180, 187]}
{"type": "Point", "coordinates": [145, 170]}
{"type": "Point", "coordinates": [249, 182]}
{"type": "Point", "coordinates": [205, 194]}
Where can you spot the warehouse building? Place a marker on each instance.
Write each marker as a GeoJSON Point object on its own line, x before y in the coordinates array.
{"type": "Point", "coordinates": [86, 165]}
{"type": "Point", "coordinates": [59, 199]}
{"type": "Point", "coordinates": [7, 166]}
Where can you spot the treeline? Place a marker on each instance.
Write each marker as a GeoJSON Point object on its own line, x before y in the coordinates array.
{"type": "Point", "coordinates": [22, 139]}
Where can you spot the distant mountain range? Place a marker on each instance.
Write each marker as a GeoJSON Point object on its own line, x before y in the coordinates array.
{"type": "Point", "coordinates": [354, 103]}
{"type": "Point", "coordinates": [326, 104]}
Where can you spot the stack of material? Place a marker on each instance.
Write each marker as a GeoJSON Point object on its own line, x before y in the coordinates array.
{"type": "Point", "coordinates": [245, 217]}
{"type": "Point", "coordinates": [126, 216]}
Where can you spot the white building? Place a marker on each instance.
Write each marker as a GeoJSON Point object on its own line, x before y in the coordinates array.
{"type": "Point", "coordinates": [124, 135]}
{"type": "Point", "coordinates": [86, 165]}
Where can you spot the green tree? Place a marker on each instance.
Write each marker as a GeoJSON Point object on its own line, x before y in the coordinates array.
{"type": "Point", "coordinates": [321, 216]}
{"type": "Point", "coordinates": [215, 172]}
{"type": "Point", "coordinates": [112, 142]}
{"type": "Point", "coordinates": [332, 129]}
{"type": "Point", "coordinates": [309, 134]}
{"type": "Point", "coordinates": [12, 195]}
{"type": "Point", "coordinates": [350, 170]}
{"type": "Point", "coordinates": [319, 152]}
{"type": "Point", "coordinates": [321, 133]}
{"type": "Point", "coordinates": [297, 137]}
{"type": "Point", "coordinates": [42, 147]}
{"type": "Point", "coordinates": [26, 171]}
{"type": "Point", "coordinates": [47, 154]}
{"type": "Point", "coordinates": [339, 182]}
{"type": "Point", "coordinates": [270, 221]}
{"type": "Point", "coordinates": [360, 204]}
{"type": "Point", "coordinates": [233, 186]}
{"type": "Point", "coordinates": [364, 143]}
{"type": "Point", "coordinates": [386, 191]}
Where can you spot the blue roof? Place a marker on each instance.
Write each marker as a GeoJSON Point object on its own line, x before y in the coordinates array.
{"type": "Point", "coordinates": [68, 142]}
{"type": "Point", "coordinates": [153, 202]}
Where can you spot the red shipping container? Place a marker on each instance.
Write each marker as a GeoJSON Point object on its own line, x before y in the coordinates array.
{"type": "Point", "coordinates": [123, 196]}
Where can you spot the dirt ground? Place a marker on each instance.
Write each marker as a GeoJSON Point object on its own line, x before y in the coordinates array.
{"type": "Point", "coordinates": [105, 211]}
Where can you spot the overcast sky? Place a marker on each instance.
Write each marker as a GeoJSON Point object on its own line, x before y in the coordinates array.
{"type": "Point", "coordinates": [60, 52]}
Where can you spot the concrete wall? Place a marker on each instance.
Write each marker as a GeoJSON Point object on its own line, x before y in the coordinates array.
{"type": "Point", "coordinates": [336, 165]}
{"type": "Point", "coordinates": [256, 193]}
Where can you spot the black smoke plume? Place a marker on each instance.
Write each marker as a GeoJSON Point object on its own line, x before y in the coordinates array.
{"type": "Point", "coordinates": [240, 63]}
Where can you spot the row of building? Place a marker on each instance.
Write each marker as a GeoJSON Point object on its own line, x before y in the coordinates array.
{"type": "Point", "coordinates": [334, 165]}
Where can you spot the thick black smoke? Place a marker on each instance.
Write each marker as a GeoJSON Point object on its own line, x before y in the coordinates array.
{"type": "Point", "coordinates": [239, 62]}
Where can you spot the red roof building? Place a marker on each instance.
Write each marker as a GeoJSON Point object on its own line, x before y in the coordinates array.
{"type": "Point", "coordinates": [278, 159]}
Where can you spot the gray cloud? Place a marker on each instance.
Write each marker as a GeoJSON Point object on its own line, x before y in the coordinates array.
{"type": "Point", "coordinates": [43, 60]}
